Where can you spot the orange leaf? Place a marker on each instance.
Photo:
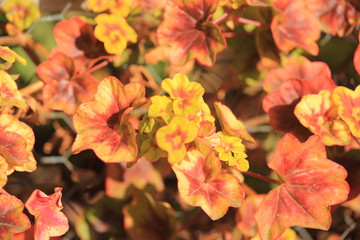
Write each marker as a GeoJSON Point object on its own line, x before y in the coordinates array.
{"type": "Point", "coordinates": [196, 37]}
{"type": "Point", "coordinates": [103, 124]}
{"type": "Point", "coordinates": [357, 57]}
{"type": "Point", "coordinates": [311, 183]}
{"type": "Point", "coordinates": [49, 221]}
{"type": "Point", "coordinates": [12, 220]}
{"type": "Point", "coordinates": [319, 113]}
{"type": "Point", "coordinates": [201, 182]}
{"type": "Point", "coordinates": [295, 26]}
{"type": "Point", "coordinates": [230, 124]}
{"type": "Point", "coordinates": [65, 87]}
{"type": "Point", "coordinates": [17, 141]}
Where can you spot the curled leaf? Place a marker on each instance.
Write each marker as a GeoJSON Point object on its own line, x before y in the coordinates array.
{"type": "Point", "coordinates": [230, 124]}
{"type": "Point", "coordinates": [196, 37]}
{"type": "Point", "coordinates": [49, 220]}
{"type": "Point", "coordinates": [103, 124]}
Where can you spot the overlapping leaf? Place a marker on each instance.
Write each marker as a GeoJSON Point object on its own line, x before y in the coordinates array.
{"type": "Point", "coordinates": [9, 93]}
{"type": "Point", "coordinates": [114, 31]}
{"type": "Point", "coordinates": [295, 26]}
{"type": "Point", "coordinates": [319, 113]}
{"type": "Point", "coordinates": [65, 87]}
{"type": "Point", "coordinates": [311, 183]}
{"type": "Point", "coordinates": [230, 124]}
{"type": "Point", "coordinates": [201, 182]}
{"type": "Point", "coordinates": [17, 141]}
{"type": "Point", "coordinates": [296, 67]}
{"type": "Point", "coordinates": [349, 107]}
{"type": "Point", "coordinates": [103, 124]}
{"type": "Point", "coordinates": [196, 37]}
{"type": "Point", "coordinates": [77, 41]}
{"type": "Point", "coordinates": [49, 220]}
{"type": "Point", "coordinates": [12, 220]}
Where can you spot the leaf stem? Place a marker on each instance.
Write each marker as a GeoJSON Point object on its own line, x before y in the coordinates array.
{"type": "Point", "coordinates": [32, 88]}
{"type": "Point", "coordinates": [263, 178]}
{"type": "Point", "coordinates": [248, 21]}
{"type": "Point", "coordinates": [220, 19]}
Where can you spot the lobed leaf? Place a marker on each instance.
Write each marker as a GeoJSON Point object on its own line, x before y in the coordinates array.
{"type": "Point", "coordinates": [65, 86]}
{"type": "Point", "coordinates": [295, 26]}
{"type": "Point", "coordinates": [319, 113]}
{"type": "Point", "coordinates": [49, 221]}
{"type": "Point", "coordinates": [12, 220]}
{"type": "Point", "coordinates": [201, 182]}
{"type": "Point", "coordinates": [103, 124]}
{"type": "Point", "coordinates": [196, 37]}
{"type": "Point", "coordinates": [311, 183]}
{"type": "Point", "coordinates": [349, 107]}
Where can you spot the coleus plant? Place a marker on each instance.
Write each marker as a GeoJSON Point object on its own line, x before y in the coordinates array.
{"type": "Point", "coordinates": [133, 125]}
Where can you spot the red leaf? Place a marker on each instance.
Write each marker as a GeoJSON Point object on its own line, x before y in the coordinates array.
{"type": "Point", "coordinates": [65, 87]}
{"type": "Point", "coordinates": [357, 57]}
{"type": "Point", "coordinates": [201, 182]}
{"type": "Point", "coordinates": [196, 37]}
{"type": "Point", "coordinates": [312, 183]}
{"type": "Point", "coordinates": [12, 220]}
{"type": "Point", "coordinates": [49, 221]}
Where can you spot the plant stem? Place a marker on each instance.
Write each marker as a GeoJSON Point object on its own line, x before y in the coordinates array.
{"type": "Point", "coordinates": [221, 18]}
{"type": "Point", "coordinates": [32, 88]}
{"type": "Point", "coordinates": [263, 178]}
{"type": "Point", "coordinates": [248, 21]}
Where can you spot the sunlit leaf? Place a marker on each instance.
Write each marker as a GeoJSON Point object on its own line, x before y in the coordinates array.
{"type": "Point", "coordinates": [161, 106]}
{"type": "Point", "coordinates": [230, 124]}
{"type": "Point", "coordinates": [319, 113]}
{"type": "Point", "coordinates": [103, 124]}
{"type": "Point", "coordinates": [121, 7]}
{"type": "Point", "coordinates": [77, 41]}
{"type": "Point", "coordinates": [121, 181]}
{"type": "Point", "coordinates": [296, 67]}
{"type": "Point", "coordinates": [12, 220]}
{"type": "Point", "coordinates": [49, 220]}
{"type": "Point", "coordinates": [349, 107]}
{"type": "Point", "coordinates": [196, 37]}
{"type": "Point", "coordinates": [156, 220]}
{"type": "Point", "coordinates": [22, 13]}
{"type": "Point", "coordinates": [295, 26]}
{"type": "Point", "coordinates": [311, 183]}
{"type": "Point", "coordinates": [114, 31]}
{"type": "Point", "coordinates": [280, 103]}
{"type": "Point", "coordinates": [9, 93]}
{"type": "Point", "coordinates": [65, 87]}
{"type": "Point", "coordinates": [17, 141]}
{"type": "Point", "coordinates": [173, 137]}
{"type": "Point", "coordinates": [201, 182]}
